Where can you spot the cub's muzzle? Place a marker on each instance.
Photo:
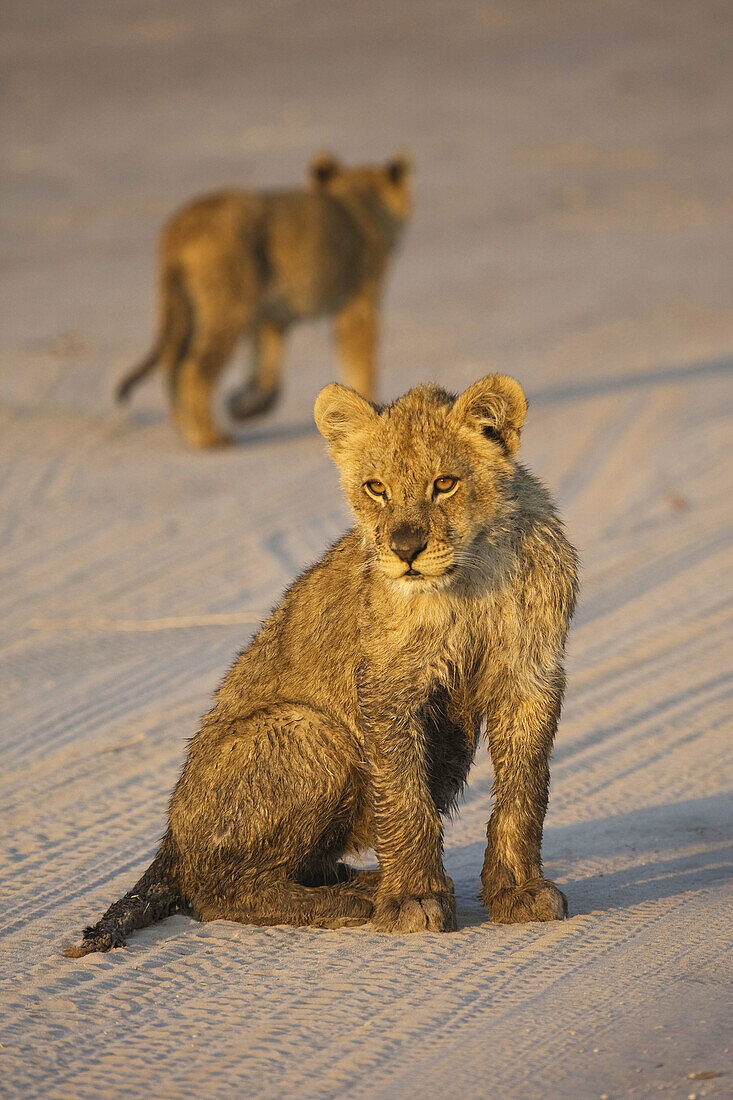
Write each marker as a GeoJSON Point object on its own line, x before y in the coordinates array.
{"type": "Point", "coordinates": [407, 541]}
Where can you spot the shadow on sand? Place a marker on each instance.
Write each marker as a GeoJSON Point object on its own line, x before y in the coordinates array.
{"type": "Point", "coordinates": [261, 432]}
{"type": "Point", "coordinates": [667, 851]}
{"type": "Point", "coordinates": [658, 376]}
{"type": "Point", "coordinates": [247, 434]}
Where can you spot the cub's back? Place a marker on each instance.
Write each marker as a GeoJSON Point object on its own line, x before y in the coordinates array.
{"type": "Point", "coordinates": [316, 250]}
{"type": "Point", "coordinates": [218, 217]}
{"type": "Point", "coordinates": [305, 249]}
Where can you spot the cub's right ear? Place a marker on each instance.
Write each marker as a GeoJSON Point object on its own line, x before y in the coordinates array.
{"type": "Point", "coordinates": [495, 406]}
{"type": "Point", "coordinates": [339, 412]}
{"type": "Point", "coordinates": [323, 168]}
{"type": "Point", "coordinates": [398, 168]}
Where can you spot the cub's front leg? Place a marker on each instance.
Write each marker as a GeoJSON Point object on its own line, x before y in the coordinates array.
{"type": "Point", "coordinates": [414, 894]}
{"type": "Point", "coordinates": [356, 335]}
{"type": "Point", "coordinates": [521, 731]}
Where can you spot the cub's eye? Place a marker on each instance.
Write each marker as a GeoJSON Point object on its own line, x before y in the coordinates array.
{"type": "Point", "coordinates": [376, 489]}
{"type": "Point", "coordinates": [445, 485]}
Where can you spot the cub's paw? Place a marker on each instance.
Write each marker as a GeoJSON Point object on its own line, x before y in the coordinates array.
{"type": "Point", "coordinates": [204, 438]}
{"type": "Point", "coordinates": [364, 884]}
{"type": "Point", "coordinates": [401, 913]}
{"type": "Point", "coordinates": [538, 899]}
{"type": "Point", "coordinates": [250, 401]}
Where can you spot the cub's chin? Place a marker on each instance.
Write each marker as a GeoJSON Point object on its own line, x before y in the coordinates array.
{"type": "Point", "coordinates": [414, 583]}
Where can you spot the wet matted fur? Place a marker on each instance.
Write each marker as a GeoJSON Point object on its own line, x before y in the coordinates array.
{"type": "Point", "coordinates": [352, 719]}
{"type": "Point", "coordinates": [251, 264]}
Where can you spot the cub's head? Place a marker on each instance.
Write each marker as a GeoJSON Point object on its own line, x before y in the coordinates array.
{"type": "Point", "coordinates": [388, 185]}
{"type": "Point", "coordinates": [428, 476]}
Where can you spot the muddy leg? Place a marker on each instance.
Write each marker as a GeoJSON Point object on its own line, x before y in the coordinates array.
{"type": "Point", "coordinates": [520, 739]}
{"type": "Point", "coordinates": [413, 893]}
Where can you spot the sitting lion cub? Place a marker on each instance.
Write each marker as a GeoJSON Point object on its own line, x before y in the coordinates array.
{"type": "Point", "coordinates": [352, 719]}
{"type": "Point", "coordinates": [251, 264]}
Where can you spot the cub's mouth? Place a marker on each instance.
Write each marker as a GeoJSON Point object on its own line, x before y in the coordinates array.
{"type": "Point", "coordinates": [429, 567]}
{"type": "Point", "coordinates": [412, 575]}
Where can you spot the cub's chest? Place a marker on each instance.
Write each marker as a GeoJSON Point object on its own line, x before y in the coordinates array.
{"type": "Point", "coordinates": [453, 637]}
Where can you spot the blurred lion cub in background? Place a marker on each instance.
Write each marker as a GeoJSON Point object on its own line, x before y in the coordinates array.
{"type": "Point", "coordinates": [251, 263]}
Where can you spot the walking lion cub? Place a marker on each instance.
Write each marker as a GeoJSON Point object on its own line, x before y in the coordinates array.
{"type": "Point", "coordinates": [252, 264]}
{"type": "Point", "coordinates": [352, 719]}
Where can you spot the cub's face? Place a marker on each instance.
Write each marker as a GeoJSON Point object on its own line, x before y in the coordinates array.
{"type": "Point", "coordinates": [389, 184]}
{"type": "Point", "coordinates": [426, 476]}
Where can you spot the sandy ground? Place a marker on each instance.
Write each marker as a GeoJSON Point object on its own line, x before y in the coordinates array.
{"type": "Point", "coordinates": [574, 226]}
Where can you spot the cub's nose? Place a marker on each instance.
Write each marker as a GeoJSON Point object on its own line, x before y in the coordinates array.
{"type": "Point", "coordinates": [407, 542]}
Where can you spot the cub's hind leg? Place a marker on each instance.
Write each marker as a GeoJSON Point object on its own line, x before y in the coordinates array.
{"type": "Point", "coordinates": [353, 880]}
{"type": "Point", "coordinates": [223, 305]}
{"type": "Point", "coordinates": [262, 390]}
{"type": "Point", "coordinates": [280, 901]}
{"type": "Point", "coordinates": [264, 809]}
{"type": "Point", "coordinates": [192, 386]}
{"type": "Point", "coordinates": [364, 884]}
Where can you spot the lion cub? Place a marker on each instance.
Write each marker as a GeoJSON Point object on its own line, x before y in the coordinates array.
{"type": "Point", "coordinates": [251, 264]}
{"type": "Point", "coordinates": [352, 719]}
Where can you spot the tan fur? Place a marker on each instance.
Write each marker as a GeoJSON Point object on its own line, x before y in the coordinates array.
{"type": "Point", "coordinates": [252, 264]}
{"type": "Point", "coordinates": [352, 719]}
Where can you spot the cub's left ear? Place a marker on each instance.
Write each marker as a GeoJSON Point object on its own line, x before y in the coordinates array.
{"type": "Point", "coordinates": [398, 168]}
{"type": "Point", "coordinates": [339, 412]}
{"type": "Point", "coordinates": [323, 168]}
{"type": "Point", "coordinates": [497, 407]}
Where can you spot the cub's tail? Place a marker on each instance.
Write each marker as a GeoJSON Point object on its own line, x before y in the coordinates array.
{"type": "Point", "coordinates": [174, 336]}
{"type": "Point", "coordinates": [127, 384]}
{"type": "Point", "coordinates": [153, 898]}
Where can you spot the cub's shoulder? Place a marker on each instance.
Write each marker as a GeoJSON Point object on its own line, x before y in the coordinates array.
{"type": "Point", "coordinates": [340, 569]}
{"type": "Point", "coordinates": [533, 498]}
{"type": "Point", "coordinates": [543, 544]}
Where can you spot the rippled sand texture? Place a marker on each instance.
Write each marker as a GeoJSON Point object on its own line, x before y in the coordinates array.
{"type": "Point", "coordinates": [574, 226]}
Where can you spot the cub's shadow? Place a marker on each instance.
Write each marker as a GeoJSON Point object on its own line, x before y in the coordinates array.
{"type": "Point", "coordinates": [666, 850]}
{"type": "Point", "coordinates": [259, 431]}
{"type": "Point", "coordinates": [580, 389]}
{"type": "Point", "coordinates": [245, 434]}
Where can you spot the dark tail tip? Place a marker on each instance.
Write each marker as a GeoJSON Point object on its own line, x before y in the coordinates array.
{"type": "Point", "coordinates": [93, 940]}
{"type": "Point", "coordinates": [123, 391]}
{"type": "Point", "coordinates": [127, 384]}
{"type": "Point", "coordinates": [71, 951]}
